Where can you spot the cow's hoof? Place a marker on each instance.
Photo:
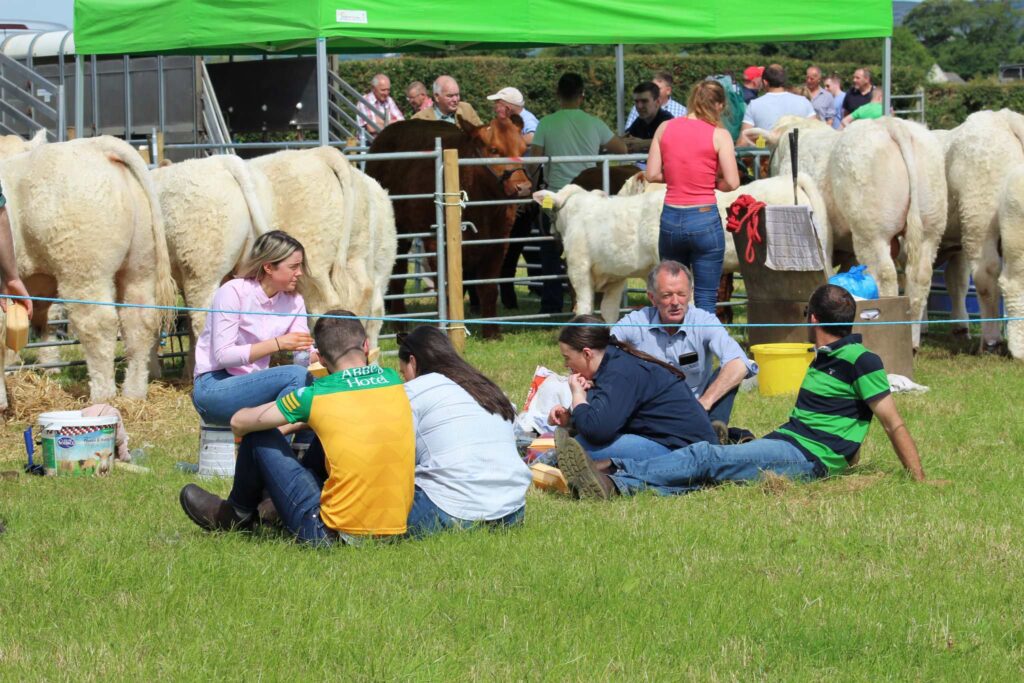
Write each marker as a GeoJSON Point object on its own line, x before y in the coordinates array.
{"type": "Point", "coordinates": [994, 349]}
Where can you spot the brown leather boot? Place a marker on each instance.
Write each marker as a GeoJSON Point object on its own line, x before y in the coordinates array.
{"type": "Point", "coordinates": [212, 512]}
{"type": "Point", "coordinates": [583, 476]}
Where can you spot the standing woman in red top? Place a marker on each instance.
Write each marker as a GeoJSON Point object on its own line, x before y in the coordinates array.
{"type": "Point", "coordinates": [694, 156]}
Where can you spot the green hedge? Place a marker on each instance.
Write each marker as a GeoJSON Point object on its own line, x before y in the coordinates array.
{"type": "Point", "coordinates": [946, 106]}
{"type": "Point", "coordinates": [536, 76]}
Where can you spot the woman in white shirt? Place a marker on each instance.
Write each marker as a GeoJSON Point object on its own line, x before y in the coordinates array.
{"type": "Point", "coordinates": [468, 470]}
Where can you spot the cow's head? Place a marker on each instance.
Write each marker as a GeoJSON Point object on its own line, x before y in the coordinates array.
{"type": "Point", "coordinates": [503, 138]}
{"type": "Point", "coordinates": [553, 202]}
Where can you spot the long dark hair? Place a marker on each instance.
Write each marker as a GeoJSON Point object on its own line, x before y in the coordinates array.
{"type": "Point", "coordinates": [591, 332]}
{"type": "Point", "coordinates": [434, 353]}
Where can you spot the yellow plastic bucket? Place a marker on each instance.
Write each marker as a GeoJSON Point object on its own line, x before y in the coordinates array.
{"type": "Point", "coordinates": [781, 367]}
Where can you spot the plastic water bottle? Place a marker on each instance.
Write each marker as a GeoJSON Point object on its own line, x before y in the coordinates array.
{"type": "Point", "coordinates": [300, 358]}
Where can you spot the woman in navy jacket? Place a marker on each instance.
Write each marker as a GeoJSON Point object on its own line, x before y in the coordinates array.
{"type": "Point", "coordinates": [625, 403]}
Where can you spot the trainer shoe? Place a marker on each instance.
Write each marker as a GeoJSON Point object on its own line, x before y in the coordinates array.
{"type": "Point", "coordinates": [212, 512]}
{"type": "Point", "coordinates": [584, 479]}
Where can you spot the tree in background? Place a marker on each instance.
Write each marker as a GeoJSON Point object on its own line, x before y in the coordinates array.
{"type": "Point", "coordinates": [969, 38]}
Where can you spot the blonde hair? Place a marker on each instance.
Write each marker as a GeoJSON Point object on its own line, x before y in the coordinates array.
{"type": "Point", "coordinates": [705, 97]}
{"type": "Point", "coordinates": [270, 248]}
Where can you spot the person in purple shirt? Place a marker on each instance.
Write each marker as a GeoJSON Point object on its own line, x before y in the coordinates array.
{"type": "Point", "coordinates": [233, 352]}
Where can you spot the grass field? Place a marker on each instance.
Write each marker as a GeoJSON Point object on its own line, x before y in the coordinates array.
{"type": "Point", "coordinates": [866, 576]}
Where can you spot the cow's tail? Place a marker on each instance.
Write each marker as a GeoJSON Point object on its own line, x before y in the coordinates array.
{"type": "Point", "coordinates": [900, 133]}
{"type": "Point", "coordinates": [345, 174]}
{"type": "Point", "coordinates": [807, 185]}
{"type": "Point", "coordinates": [243, 176]}
{"type": "Point", "coordinates": [166, 290]}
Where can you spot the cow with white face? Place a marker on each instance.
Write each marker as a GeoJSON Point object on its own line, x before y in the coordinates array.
{"type": "Point", "coordinates": [611, 239]}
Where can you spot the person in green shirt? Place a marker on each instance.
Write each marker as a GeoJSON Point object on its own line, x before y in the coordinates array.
{"type": "Point", "coordinates": [871, 110]}
{"type": "Point", "coordinates": [843, 389]}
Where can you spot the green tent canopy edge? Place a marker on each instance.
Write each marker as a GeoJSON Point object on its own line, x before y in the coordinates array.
{"type": "Point", "coordinates": [373, 26]}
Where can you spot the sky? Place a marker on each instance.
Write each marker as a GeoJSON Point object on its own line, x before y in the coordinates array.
{"type": "Point", "coordinates": [57, 11]}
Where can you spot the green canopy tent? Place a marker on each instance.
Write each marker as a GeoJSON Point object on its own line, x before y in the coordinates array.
{"type": "Point", "coordinates": [203, 27]}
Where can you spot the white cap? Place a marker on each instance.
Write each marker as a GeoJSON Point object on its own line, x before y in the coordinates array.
{"type": "Point", "coordinates": [510, 95]}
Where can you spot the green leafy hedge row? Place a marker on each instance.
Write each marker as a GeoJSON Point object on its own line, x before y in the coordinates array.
{"type": "Point", "coordinates": [946, 106]}
{"type": "Point", "coordinates": [536, 76]}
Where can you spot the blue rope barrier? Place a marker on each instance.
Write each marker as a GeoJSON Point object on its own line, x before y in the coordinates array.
{"type": "Point", "coordinates": [511, 323]}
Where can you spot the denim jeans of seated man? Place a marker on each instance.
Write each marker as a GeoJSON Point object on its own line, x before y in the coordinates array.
{"type": "Point", "coordinates": [721, 410]}
{"type": "Point", "coordinates": [426, 518]}
{"type": "Point", "coordinates": [218, 395]}
{"type": "Point", "coordinates": [694, 236]}
{"type": "Point", "coordinates": [703, 464]}
{"type": "Point", "coordinates": [625, 446]}
{"type": "Point", "coordinates": [265, 461]}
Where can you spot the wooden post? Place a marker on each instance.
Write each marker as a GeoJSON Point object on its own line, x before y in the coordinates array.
{"type": "Point", "coordinates": [159, 148]}
{"type": "Point", "coordinates": [71, 133]}
{"type": "Point", "coordinates": [453, 249]}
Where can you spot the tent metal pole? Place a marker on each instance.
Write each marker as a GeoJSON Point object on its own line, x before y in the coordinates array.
{"type": "Point", "coordinates": [161, 96]}
{"type": "Point", "coordinates": [887, 74]}
{"type": "Point", "coordinates": [95, 86]}
{"type": "Point", "coordinates": [127, 97]}
{"type": "Point", "coordinates": [79, 96]}
{"type": "Point", "coordinates": [620, 86]}
{"type": "Point", "coordinates": [321, 90]}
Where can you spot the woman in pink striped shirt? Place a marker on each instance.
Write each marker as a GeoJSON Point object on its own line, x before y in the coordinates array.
{"type": "Point", "coordinates": [233, 352]}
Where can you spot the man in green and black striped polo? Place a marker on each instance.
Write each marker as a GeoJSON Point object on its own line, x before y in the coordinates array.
{"type": "Point", "coordinates": [844, 387]}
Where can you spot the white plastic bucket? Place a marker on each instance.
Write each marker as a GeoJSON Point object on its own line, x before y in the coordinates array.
{"type": "Point", "coordinates": [216, 451]}
{"type": "Point", "coordinates": [76, 445]}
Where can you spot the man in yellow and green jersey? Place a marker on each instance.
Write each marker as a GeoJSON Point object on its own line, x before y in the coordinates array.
{"type": "Point", "coordinates": [843, 389]}
{"type": "Point", "coordinates": [356, 479]}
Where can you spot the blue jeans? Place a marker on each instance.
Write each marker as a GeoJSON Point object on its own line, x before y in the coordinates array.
{"type": "Point", "coordinates": [703, 464]}
{"type": "Point", "coordinates": [694, 237]}
{"type": "Point", "coordinates": [426, 518]}
{"type": "Point", "coordinates": [626, 446]}
{"type": "Point", "coordinates": [722, 409]}
{"type": "Point", "coordinates": [218, 395]}
{"type": "Point", "coordinates": [265, 461]}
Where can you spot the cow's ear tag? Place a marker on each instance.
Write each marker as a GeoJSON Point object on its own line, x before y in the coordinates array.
{"type": "Point", "coordinates": [548, 203]}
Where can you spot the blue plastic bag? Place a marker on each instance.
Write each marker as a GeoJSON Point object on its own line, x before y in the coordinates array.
{"type": "Point", "coordinates": [857, 281]}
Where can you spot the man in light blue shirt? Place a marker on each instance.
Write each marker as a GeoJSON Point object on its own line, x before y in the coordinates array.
{"type": "Point", "coordinates": [834, 84]}
{"type": "Point", "coordinates": [689, 339]}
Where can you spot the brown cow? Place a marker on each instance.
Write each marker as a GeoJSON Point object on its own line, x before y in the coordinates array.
{"type": "Point", "coordinates": [500, 138]}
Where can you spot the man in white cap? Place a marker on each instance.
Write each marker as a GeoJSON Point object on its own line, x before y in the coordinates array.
{"type": "Point", "coordinates": [508, 101]}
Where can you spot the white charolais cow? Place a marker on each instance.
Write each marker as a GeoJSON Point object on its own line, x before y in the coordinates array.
{"type": "Point", "coordinates": [306, 194]}
{"type": "Point", "coordinates": [610, 239]}
{"type": "Point", "coordinates": [372, 249]}
{"type": "Point", "coordinates": [885, 179]}
{"type": "Point", "coordinates": [979, 152]}
{"type": "Point", "coordinates": [212, 216]}
{"type": "Point", "coordinates": [87, 225]}
{"type": "Point", "coordinates": [343, 219]}
{"type": "Point", "coordinates": [1010, 216]}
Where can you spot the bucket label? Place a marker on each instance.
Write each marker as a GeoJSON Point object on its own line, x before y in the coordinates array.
{"type": "Point", "coordinates": [78, 454]}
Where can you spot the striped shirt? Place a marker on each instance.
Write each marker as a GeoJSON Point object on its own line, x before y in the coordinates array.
{"type": "Point", "coordinates": [832, 415]}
